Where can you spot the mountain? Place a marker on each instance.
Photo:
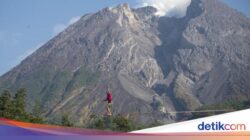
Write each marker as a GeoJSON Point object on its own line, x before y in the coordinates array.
{"type": "Point", "coordinates": [154, 65]}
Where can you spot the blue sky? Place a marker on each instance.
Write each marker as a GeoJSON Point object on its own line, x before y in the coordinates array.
{"type": "Point", "coordinates": [26, 24]}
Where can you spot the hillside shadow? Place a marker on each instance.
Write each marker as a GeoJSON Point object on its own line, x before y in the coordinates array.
{"type": "Point", "coordinates": [171, 35]}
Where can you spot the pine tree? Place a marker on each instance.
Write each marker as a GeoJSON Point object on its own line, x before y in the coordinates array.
{"type": "Point", "coordinates": [19, 105]}
{"type": "Point", "coordinates": [122, 124]}
{"type": "Point", "coordinates": [6, 105]}
{"type": "Point", "coordinates": [14, 108]}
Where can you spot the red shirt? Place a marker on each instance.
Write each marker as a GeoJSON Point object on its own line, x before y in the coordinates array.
{"type": "Point", "coordinates": [109, 97]}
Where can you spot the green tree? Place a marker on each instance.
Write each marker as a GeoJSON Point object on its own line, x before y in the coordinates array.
{"type": "Point", "coordinates": [65, 121]}
{"type": "Point", "coordinates": [122, 124]}
{"type": "Point", "coordinates": [98, 124]}
{"type": "Point", "coordinates": [6, 105]}
{"type": "Point", "coordinates": [19, 105]}
{"type": "Point", "coordinates": [14, 108]}
{"type": "Point", "coordinates": [115, 123]}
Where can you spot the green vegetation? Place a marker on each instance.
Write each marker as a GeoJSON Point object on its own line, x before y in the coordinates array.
{"type": "Point", "coordinates": [83, 77]}
{"type": "Point", "coordinates": [118, 123]}
{"type": "Point", "coordinates": [35, 80]}
{"type": "Point", "coordinates": [53, 91]}
{"type": "Point", "coordinates": [230, 105]}
{"type": "Point", "coordinates": [121, 123]}
{"type": "Point", "coordinates": [224, 107]}
{"type": "Point", "coordinates": [14, 107]}
{"type": "Point", "coordinates": [65, 121]}
{"type": "Point", "coordinates": [50, 85]}
{"type": "Point", "coordinates": [59, 82]}
{"type": "Point", "coordinates": [115, 123]}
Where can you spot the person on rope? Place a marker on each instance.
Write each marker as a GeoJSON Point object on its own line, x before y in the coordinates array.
{"type": "Point", "coordinates": [109, 102]}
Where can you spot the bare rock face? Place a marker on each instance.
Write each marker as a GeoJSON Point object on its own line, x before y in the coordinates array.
{"type": "Point", "coordinates": [154, 65]}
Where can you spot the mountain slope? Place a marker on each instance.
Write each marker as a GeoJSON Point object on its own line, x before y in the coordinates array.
{"type": "Point", "coordinates": [153, 65]}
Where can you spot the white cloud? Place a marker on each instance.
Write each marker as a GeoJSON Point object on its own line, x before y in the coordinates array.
{"type": "Point", "coordinates": [60, 27]}
{"type": "Point", "coordinates": [169, 8]}
{"type": "Point", "coordinates": [74, 19]}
